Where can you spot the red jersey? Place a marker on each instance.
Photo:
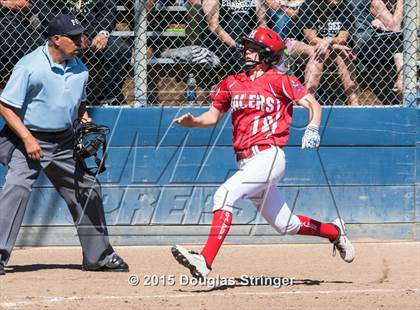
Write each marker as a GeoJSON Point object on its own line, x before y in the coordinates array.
{"type": "Point", "coordinates": [261, 109]}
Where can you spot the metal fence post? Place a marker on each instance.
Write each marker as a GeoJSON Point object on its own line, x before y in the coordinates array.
{"type": "Point", "coordinates": [410, 53]}
{"type": "Point", "coordinates": [140, 53]}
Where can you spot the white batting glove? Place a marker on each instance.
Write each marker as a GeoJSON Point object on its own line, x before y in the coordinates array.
{"type": "Point", "coordinates": [311, 138]}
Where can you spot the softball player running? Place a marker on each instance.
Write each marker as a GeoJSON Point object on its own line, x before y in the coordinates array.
{"type": "Point", "coordinates": [261, 99]}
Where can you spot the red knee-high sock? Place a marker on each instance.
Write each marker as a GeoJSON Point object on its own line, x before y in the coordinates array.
{"type": "Point", "coordinates": [219, 229]}
{"type": "Point", "coordinates": [311, 227]}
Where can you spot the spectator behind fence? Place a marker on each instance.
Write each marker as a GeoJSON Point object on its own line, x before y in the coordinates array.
{"type": "Point", "coordinates": [111, 53]}
{"type": "Point", "coordinates": [378, 35]}
{"type": "Point", "coordinates": [326, 26]}
{"type": "Point", "coordinates": [17, 37]}
{"type": "Point", "coordinates": [228, 21]}
{"type": "Point", "coordinates": [283, 14]}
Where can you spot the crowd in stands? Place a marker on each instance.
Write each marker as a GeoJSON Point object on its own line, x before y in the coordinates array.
{"type": "Point", "coordinates": [347, 39]}
{"type": "Point", "coordinates": [323, 35]}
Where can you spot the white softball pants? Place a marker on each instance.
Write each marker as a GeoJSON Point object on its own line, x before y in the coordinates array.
{"type": "Point", "coordinates": [256, 180]}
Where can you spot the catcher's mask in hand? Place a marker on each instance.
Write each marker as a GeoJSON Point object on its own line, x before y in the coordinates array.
{"type": "Point", "coordinates": [90, 141]}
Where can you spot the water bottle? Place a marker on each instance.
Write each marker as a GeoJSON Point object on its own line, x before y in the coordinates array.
{"type": "Point", "coordinates": [191, 94]}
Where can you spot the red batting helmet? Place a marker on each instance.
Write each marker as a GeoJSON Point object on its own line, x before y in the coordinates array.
{"type": "Point", "coordinates": [266, 42]}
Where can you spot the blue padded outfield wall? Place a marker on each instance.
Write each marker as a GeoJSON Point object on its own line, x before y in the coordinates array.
{"type": "Point", "coordinates": [161, 177]}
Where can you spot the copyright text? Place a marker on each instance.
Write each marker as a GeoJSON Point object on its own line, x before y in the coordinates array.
{"type": "Point", "coordinates": [210, 282]}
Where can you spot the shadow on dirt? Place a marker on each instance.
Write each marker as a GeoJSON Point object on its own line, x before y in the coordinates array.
{"type": "Point", "coordinates": [218, 284]}
{"type": "Point", "coordinates": [37, 267]}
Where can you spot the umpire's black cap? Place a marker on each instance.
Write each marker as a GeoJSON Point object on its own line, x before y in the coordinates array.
{"type": "Point", "coordinates": [64, 24]}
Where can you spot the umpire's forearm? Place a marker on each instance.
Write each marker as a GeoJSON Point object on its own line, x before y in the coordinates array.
{"type": "Point", "coordinates": [82, 110]}
{"type": "Point", "coordinates": [14, 122]}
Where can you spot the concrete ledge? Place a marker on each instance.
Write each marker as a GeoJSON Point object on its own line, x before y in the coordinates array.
{"type": "Point", "coordinates": [239, 234]}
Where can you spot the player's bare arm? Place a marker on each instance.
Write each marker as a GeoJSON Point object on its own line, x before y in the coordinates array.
{"type": "Point", "coordinates": [314, 109]}
{"type": "Point", "coordinates": [16, 125]}
{"type": "Point", "coordinates": [208, 119]}
{"type": "Point", "coordinates": [311, 138]}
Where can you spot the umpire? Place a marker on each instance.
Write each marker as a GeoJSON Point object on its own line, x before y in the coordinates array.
{"type": "Point", "coordinates": [44, 95]}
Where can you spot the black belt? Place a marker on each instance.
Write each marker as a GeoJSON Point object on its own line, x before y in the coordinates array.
{"type": "Point", "coordinates": [58, 132]}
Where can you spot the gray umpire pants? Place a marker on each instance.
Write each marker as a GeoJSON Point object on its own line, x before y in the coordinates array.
{"type": "Point", "coordinates": [81, 191]}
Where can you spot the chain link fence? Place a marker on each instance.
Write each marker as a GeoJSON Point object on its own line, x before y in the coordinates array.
{"type": "Point", "coordinates": [174, 52]}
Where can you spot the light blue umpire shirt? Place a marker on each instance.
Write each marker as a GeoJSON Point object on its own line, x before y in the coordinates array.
{"type": "Point", "coordinates": [46, 95]}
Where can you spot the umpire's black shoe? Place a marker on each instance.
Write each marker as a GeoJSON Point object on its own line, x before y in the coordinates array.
{"type": "Point", "coordinates": [2, 271]}
{"type": "Point", "coordinates": [116, 264]}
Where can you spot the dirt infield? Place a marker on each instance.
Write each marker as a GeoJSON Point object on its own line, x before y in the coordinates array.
{"type": "Point", "coordinates": [383, 276]}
